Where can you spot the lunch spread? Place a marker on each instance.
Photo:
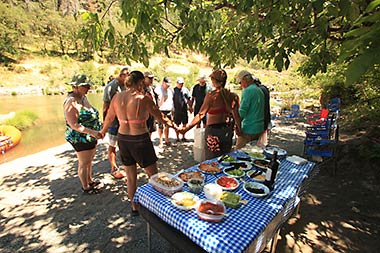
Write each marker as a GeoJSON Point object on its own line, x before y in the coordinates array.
{"type": "Point", "coordinates": [209, 167]}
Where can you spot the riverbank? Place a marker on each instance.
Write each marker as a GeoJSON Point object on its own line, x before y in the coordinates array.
{"type": "Point", "coordinates": [44, 210]}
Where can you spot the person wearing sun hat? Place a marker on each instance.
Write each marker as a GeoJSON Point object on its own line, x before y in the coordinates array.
{"type": "Point", "coordinates": [82, 129]}
{"type": "Point", "coordinates": [251, 109]}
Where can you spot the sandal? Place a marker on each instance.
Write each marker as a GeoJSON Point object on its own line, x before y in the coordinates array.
{"type": "Point", "coordinates": [134, 213]}
{"type": "Point", "coordinates": [94, 183]}
{"type": "Point", "coordinates": [90, 191]}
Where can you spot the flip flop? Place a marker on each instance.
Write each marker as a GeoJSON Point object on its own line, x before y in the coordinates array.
{"type": "Point", "coordinates": [117, 174]}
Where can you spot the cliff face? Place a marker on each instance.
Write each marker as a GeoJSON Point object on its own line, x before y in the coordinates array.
{"type": "Point", "coordinates": [69, 7]}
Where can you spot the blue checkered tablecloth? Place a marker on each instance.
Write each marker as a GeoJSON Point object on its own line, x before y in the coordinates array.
{"type": "Point", "coordinates": [243, 225]}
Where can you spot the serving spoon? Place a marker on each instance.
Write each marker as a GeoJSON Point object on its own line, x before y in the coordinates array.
{"type": "Point", "coordinates": [216, 213]}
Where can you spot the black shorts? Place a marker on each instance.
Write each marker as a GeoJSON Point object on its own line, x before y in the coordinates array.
{"type": "Point", "coordinates": [167, 114]}
{"type": "Point", "coordinates": [181, 118]}
{"type": "Point", "coordinates": [136, 149]}
{"type": "Point", "coordinates": [82, 146]}
{"type": "Point", "coordinates": [150, 123]}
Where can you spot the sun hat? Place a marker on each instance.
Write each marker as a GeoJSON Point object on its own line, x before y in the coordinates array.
{"type": "Point", "coordinates": [242, 74]}
{"type": "Point", "coordinates": [180, 80]}
{"type": "Point", "coordinates": [80, 80]}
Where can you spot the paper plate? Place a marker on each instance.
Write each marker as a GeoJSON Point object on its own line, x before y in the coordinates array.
{"type": "Point", "coordinates": [184, 200]}
{"type": "Point", "coordinates": [280, 152]}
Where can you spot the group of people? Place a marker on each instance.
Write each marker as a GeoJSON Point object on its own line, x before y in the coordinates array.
{"type": "Point", "coordinates": [130, 104]}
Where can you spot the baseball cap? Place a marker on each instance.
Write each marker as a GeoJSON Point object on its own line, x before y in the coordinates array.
{"type": "Point", "coordinates": [180, 80]}
{"type": "Point", "coordinates": [201, 77]}
{"type": "Point", "coordinates": [148, 74]}
{"type": "Point", "coordinates": [242, 74]}
{"type": "Point", "coordinates": [167, 80]}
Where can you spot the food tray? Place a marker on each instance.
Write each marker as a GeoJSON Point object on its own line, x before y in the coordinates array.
{"type": "Point", "coordinates": [184, 200]}
{"type": "Point", "coordinates": [185, 176]}
{"type": "Point", "coordinates": [231, 199]}
{"type": "Point", "coordinates": [203, 204]}
{"type": "Point", "coordinates": [166, 183]}
{"type": "Point", "coordinates": [256, 175]}
{"type": "Point", "coordinates": [223, 181]}
{"type": "Point", "coordinates": [261, 163]}
{"type": "Point", "coordinates": [254, 185]}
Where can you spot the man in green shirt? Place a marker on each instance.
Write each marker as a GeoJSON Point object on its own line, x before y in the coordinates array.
{"type": "Point", "coordinates": [251, 109]}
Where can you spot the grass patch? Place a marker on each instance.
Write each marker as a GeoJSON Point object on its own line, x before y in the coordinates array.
{"type": "Point", "coordinates": [22, 120]}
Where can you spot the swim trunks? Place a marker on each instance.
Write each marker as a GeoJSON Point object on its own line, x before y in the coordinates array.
{"type": "Point", "coordinates": [136, 149]}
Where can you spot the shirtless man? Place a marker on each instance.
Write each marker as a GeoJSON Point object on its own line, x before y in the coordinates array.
{"type": "Point", "coordinates": [132, 108]}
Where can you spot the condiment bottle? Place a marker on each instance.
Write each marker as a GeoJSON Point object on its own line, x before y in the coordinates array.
{"type": "Point", "coordinates": [270, 175]}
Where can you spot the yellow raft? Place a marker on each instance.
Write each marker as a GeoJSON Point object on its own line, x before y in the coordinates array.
{"type": "Point", "coordinates": [9, 137]}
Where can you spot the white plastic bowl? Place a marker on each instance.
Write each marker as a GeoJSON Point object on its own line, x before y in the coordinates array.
{"type": "Point", "coordinates": [213, 191]}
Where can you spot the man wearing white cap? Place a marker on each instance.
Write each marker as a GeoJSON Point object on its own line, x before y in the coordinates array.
{"type": "Point", "coordinates": [165, 104]}
{"type": "Point", "coordinates": [198, 96]}
{"type": "Point", "coordinates": [251, 109]}
{"type": "Point", "coordinates": [180, 100]}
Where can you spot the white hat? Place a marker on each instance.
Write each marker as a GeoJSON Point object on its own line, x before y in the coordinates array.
{"type": "Point", "coordinates": [148, 74]}
{"type": "Point", "coordinates": [180, 80]}
{"type": "Point", "coordinates": [201, 77]}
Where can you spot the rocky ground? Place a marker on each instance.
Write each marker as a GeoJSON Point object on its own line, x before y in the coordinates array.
{"type": "Point", "coordinates": [42, 208]}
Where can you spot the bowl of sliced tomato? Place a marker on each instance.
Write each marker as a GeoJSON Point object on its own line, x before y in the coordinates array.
{"type": "Point", "coordinates": [228, 183]}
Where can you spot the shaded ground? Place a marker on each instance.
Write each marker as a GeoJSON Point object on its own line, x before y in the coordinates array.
{"type": "Point", "coordinates": [43, 210]}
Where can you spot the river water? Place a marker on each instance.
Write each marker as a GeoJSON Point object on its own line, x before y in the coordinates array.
{"type": "Point", "coordinates": [48, 130]}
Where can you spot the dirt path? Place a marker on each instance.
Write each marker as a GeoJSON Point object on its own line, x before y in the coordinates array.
{"type": "Point", "coordinates": [43, 209]}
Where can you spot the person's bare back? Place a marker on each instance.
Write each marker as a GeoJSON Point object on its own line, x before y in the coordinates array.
{"type": "Point", "coordinates": [132, 112]}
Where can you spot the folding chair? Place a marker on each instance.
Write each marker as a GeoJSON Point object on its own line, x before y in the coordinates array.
{"type": "Point", "coordinates": [322, 140]}
{"type": "Point", "coordinates": [318, 119]}
{"type": "Point", "coordinates": [295, 111]}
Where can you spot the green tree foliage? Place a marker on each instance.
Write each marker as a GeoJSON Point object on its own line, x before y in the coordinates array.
{"type": "Point", "coordinates": [268, 30]}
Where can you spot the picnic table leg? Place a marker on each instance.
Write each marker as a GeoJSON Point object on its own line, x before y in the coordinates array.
{"type": "Point", "coordinates": [149, 233]}
{"type": "Point", "coordinates": [273, 244]}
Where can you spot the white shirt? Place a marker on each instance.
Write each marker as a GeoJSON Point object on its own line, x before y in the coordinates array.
{"type": "Point", "coordinates": [165, 98]}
